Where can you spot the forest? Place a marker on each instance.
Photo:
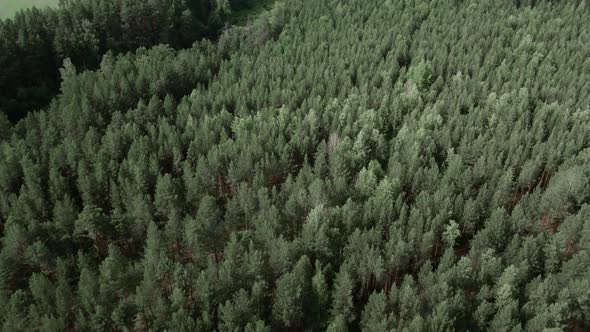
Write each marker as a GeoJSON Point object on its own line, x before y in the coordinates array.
{"type": "Point", "coordinates": [34, 44]}
{"type": "Point", "coordinates": [334, 165]}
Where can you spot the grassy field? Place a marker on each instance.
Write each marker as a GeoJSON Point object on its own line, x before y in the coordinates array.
{"type": "Point", "coordinates": [9, 7]}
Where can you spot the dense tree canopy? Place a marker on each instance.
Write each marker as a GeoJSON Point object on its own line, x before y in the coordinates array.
{"type": "Point", "coordinates": [333, 165]}
{"type": "Point", "coordinates": [34, 44]}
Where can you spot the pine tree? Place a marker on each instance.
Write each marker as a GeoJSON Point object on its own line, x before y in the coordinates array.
{"type": "Point", "coordinates": [342, 305]}
{"type": "Point", "coordinates": [320, 297]}
{"type": "Point", "coordinates": [338, 324]}
{"type": "Point", "coordinates": [207, 227]}
{"type": "Point", "coordinates": [375, 314]}
{"type": "Point", "coordinates": [292, 295]}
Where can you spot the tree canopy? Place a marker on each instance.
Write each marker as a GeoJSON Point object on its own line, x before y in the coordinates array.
{"type": "Point", "coordinates": [330, 166]}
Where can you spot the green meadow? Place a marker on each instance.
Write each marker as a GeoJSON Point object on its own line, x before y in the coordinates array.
{"type": "Point", "coordinates": [9, 7]}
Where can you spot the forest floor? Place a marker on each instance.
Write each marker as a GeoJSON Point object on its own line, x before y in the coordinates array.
{"type": "Point", "coordinates": [9, 7]}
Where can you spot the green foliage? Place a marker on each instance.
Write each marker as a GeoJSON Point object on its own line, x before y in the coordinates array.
{"type": "Point", "coordinates": [35, 42]}
{"type": "Point", "coordinates": [342, 305]}
{"type": "Point", "coordinates": [338, 325]}
{"type": "Point", "coordinates": [328, 165]}
{"type": "Point", "coordinates": [320, 297]}
{"type": "Point", "coordinates": [375, 314]}
{"type": "Point", "coordinates": [291, 302]}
